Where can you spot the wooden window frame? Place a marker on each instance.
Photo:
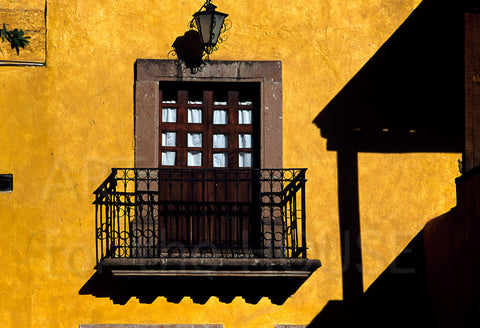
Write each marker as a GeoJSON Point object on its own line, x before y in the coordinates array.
{"type": "Point", "coordinates": [207, 128]}
{"type": "Point", "coordinates": [150, 72]}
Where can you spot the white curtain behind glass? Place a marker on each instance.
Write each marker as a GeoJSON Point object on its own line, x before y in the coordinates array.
{"type": "Point", "coordinates": [169, 115]}
{"type": "Point", "coordinates": [169, 139]}
{"type": "Point", "coordinates": [245, 140]}
{"type": "Point", "coordinates": [220, 141]}
{"type": "Point", "coordinates": [168, 158]}
{"type": "Point", "coordinates": [220, 160]}
{"type": "Point", "coordinates": [220, 116]}
{"type": "Point", "coordinates": [194, 139]}
{"type": "Point", "coordinates": [245, 116]}
{"type": "Point", "coordinates": [194, 115]}
{"type": "Point", "coordinates": [245, 159]}
{"type": "Point", "coordinates": [194, 158]}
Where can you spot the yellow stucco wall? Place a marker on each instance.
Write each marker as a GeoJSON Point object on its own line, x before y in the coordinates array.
{"type": "Point", "coordinates": [66, 124]}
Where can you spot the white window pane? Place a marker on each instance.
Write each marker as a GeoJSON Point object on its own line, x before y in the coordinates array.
{"type": "Point", "coordinates": [245, 116]}
{"type": "Point", "coordinates": [169, 139]}
{"type": "Point", "coordinates": [194, 115]}
{"type": "Point", "coordinates": [244, 140]}
{"type": "Point", "coordinates": [220, 141]}
{"type": "Point", "coordinates": [245, 103]}
{"type": "Point", "coordinates": [245, 160]}
{"type": "Point", "coordinates": [194, 139]}
{"type": "Point", "coordinates": [195, 102]}
{"type": "Point", "coordinates": [194, 158]}
{"type": "Point", "coordinates": [220, 116]}
{"type": "Point", "coordinates": [168, 158]}
{"type": "Point", "coordinates": [169, 115]}
{"type": "Point", "coordinates": [220, 103]}
{"type": "Point", "coordinates": [220, 160]}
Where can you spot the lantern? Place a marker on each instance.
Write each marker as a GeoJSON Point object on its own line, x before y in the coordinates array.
{"type": "Point", "coordinates": [209, 24]}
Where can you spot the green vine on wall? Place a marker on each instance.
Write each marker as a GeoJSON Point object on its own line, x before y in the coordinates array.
{"type": "Point", "coordinates": [16, 38]}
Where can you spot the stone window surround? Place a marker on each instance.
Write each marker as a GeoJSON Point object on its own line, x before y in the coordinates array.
{"type": "Point", "coordinates": [148, 73]}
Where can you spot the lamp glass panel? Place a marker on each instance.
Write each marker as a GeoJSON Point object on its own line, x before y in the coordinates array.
{"type": "Point", "coordinates": [217, 27]}
{"type": "Point", "coordinates": [204, 23]}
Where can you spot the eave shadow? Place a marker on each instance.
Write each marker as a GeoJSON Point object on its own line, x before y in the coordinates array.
{"type": "Point", "coordinates": [409, 97]}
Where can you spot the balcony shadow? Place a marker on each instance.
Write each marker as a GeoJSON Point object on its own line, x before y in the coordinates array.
{"type": "Point", "coordinates": [120, 289]}
{"type": "Point", "coordinates": [408, 98]}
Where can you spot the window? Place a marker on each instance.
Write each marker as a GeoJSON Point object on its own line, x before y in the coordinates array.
{"type": "Point", "coordinates": [227, 116]}
{"type": "Point", "coordinates": [209, 125]}
{"type": "Point", "coordinates": [6, 182]}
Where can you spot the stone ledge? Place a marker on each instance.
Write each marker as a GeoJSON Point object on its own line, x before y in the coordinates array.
{"type": "Point", "coordinates": [209, 267]}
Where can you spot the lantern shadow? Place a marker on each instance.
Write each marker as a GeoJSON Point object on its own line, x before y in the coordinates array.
{"type": "Point", "coordinates": [189, 49]}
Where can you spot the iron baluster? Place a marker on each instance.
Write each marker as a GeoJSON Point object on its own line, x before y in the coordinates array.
{"type": "Point", "coordinates": [201, 212]}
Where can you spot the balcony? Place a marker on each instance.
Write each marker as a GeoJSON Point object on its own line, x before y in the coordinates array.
{"type": "Point", "coordinates": [205, 223]}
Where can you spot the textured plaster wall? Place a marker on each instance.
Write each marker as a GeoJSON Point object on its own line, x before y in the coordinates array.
{"type": "Point", "coordinates": [66, 124]}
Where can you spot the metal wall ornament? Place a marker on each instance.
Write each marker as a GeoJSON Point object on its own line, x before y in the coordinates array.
{"type": "Point", "coordinates": [206, 32]}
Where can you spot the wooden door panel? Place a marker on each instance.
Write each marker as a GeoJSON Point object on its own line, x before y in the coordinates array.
{"type": "Point", "coordinates": [203, 209]}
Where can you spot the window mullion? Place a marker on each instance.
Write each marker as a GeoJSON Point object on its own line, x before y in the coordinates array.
{"type": "Point", "coordinates": [182, 128]}
{"type": "Point", "coordinates": [208, 137]}
{"type": "Point", "coordinates": [232, 131]}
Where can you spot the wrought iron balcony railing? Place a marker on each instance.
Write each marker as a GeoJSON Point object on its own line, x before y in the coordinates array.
{"type": "Point", "coordinates": [190, 213]}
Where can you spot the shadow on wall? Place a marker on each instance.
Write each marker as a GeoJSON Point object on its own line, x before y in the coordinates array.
{"type": "Point", "coordinates": [409, 97]}
{"type": "Point", "coordinates": [120, 289]}
{"type": "Point", "coordinates": [398, 298]}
